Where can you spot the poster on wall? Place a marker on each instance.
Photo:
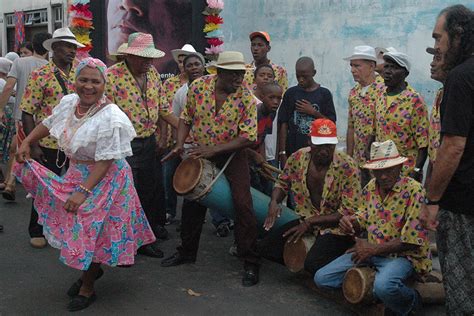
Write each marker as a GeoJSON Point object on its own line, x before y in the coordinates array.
{"type": "Point", "coordinates": [169, 21]}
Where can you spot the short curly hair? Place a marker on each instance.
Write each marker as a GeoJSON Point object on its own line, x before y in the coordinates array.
{"type": "Point", "coordinates": [460, 28]}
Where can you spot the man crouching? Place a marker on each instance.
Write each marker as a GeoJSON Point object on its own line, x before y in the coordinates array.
{"type": "Point", "coordinates": [397, 245]}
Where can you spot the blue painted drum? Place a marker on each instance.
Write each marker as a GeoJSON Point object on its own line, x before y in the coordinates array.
{"type": "Point", "coordinates": [196, 180]}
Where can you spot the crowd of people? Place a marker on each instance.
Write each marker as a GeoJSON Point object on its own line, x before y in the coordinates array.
{"type": "Point", "coordinates": [97, 148]}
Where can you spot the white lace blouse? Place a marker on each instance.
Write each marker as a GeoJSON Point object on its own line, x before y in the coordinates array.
{"type": "Point", "coordinates": [104, 136]}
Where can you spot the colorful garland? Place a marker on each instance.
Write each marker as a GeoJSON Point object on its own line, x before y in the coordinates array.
{"type": "Point", "coordinates": [80, 23]}
{"type": "Point", "coordinates": [212, 28]}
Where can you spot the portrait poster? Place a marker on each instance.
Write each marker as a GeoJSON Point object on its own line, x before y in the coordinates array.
{"type": "Point", "coordinates": [169, 21]}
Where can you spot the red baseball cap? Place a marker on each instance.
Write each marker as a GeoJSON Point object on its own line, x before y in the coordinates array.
{"type": "Point", "coordinates": [263, 34]}
{"type": "Point", "coordinates": [323, 131]}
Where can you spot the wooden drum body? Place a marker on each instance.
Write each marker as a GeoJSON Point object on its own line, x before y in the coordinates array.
{"type": "Point", "coordinates": [193, 178]}
{"type": "Point", "coordinates": [358, 286]}
{"type": "Point", "coordinates": [294, 253]}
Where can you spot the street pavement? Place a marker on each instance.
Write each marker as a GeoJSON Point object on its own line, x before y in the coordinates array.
{"type": "Point", "coordinates": [34, 282]}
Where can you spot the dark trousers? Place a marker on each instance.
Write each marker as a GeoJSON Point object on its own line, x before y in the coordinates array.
{"type": "Point", "coordinates": [326, 248]}
{"type": "Point", "coordinates": [35, 229]}
{"type": "Point", "coordinates": [145, 175]}
{"type": "Point", "coordinates": [193, 214]}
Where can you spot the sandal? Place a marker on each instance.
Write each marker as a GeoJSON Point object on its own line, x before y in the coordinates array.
{"type": "Point", "coordinates": [79, 302]}
{"type": "Point", "coordinates": [76, 286]}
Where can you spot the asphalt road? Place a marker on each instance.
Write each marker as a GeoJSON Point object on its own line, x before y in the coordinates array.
{"type": "Point", "coordinates": [34, 282]}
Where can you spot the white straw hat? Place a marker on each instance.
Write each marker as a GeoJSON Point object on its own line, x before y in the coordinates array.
{"type": "Point", "coordinates": [185, 50]}
{"type": "Point", "coordinates": [384, 155]}
{"type": "Point", "coordinates": [363, 52]}
{"type": "Point", "coordinates": [61, 35]}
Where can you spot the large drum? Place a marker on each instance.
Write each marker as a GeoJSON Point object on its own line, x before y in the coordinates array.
{"type": "Point", "coordinates": [198, 180]}
{"type": "Point", "coordinates": [294, 253]}
{"type": "Point", "coordinates": [358, 286]}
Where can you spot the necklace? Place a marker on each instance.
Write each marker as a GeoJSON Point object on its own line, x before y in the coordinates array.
{"type": "Point", "coordinates": [79, 112]}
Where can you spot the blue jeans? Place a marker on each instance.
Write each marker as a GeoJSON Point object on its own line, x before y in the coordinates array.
{"type": "Point", "coordinates": [388, 284]}
{"type": "Point", "coordinates": [217, 217]}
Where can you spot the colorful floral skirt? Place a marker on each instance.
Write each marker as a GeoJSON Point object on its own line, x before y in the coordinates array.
{"type": "Point", "coordinates": [109, 226]}
{"type": "Point", "coordinates": [7, 130]}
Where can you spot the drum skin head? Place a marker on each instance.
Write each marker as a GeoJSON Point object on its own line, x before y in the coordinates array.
{"type": "Point", "coordinates": [187, 175]}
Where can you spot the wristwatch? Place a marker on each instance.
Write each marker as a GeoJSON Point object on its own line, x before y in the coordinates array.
{"type": "Point", "coordinates": [417, 170]}
{"type": "Point", "coordinates": [430, 202]}
{"type": "Point", "coordinates": [282, 152]}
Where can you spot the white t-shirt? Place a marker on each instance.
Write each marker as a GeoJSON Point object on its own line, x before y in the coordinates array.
{"type": "Point", "coordinates": [179, 100]}
{"type": "Point", "coordinates": [104, 136]}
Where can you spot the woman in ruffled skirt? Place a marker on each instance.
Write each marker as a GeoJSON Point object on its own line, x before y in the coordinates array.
{"type": "Point", "coordinates": [92, 213]}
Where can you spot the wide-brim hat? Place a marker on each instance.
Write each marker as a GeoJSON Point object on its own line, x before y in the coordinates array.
{"type": "Point", "coordinates": [185, 50]}
{"type": "Point", "coordinates": [230, 60]}
{"type": "Point", "coordinates": [384, 155]}
{"type": "Point", "coordinates": [142, 45]}
{"type": "Point", "coordinates": [61, 35]}
{"type": "Point", "coordinates": [363, 52]}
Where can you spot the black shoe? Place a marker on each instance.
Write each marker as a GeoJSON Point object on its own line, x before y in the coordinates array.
{"type": "Point", "coordinates": [161, 232]}
{"type": "Point", "coordinates": [150, 251]}
{"type": "Point", "coordinates": [223, 230]}
{"type": "Point", "coordinates": [176, 260]}
{"type": "Point", "coordinates": [79, 302]}
{"type": "Point", "coordinates": [76, 286]}
{"type": "Point", "coordinates": [250, 275]}
{"type": "Point", "coordinates": [1, 228]}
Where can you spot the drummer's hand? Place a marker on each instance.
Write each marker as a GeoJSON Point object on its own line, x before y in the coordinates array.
{"type": "Point", "coordinates": [274, 211]}
{"type": "Point", "coordinates": [296, 232]}
{"type": "Point", "coordinates": [345, 224]}
{"type": "Point", "coordinates": [75, 200]}
{"type": "Point", "coordinates": [176, 152]}
{"type": "Point", "coordinates": [362, 251]}
{"type": "Point", "coordinates": [205, 152]}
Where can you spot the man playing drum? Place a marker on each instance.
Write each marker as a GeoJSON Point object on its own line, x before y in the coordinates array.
{"type": "Point", "coordinates": [397, 244]}
{"type": "Point", "coordinates": [222, 115]}
{"type": "Point", "coordinates": [325, 184]}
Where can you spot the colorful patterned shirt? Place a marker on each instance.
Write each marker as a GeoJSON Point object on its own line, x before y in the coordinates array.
{"type": "Point", "coordinates": [236, 118]}
{"type": "Point", "coordinates": [340, 192]}
{"type": "Point", "coordinates": [396, 216]}
{"type": "Point", "coordinates": [405, 121]}
{"type": "Point", "coordinates": [142, 110]}
{"type": "Point", "coordinates": [43, 92]}
{"type": "Point", "coordinates": [280, 76]}
{"type": "Point", "coordinates": [362, 115]}
{"type": "Point", "coordinates": [435, 127]}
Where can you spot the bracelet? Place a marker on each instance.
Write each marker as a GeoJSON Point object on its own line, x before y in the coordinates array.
{"type": "Point", "coordinates": [282, 152]}
{"type": "Point", "coordinates": [82, 189]}
{"type": "Point", "coordinates": [430, 202]}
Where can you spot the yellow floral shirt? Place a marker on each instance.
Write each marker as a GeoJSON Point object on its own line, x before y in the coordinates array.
{"type": "Point", "coordinates": [43, 92]}
{"type": "Point", "coordinates": [170, 87]}
{"type": "Point", "coordinates": [362, 115]}
{"type": "Point", "coordinates": [435, 127]}
{"type": "Point", "coordinates": [340, 192]}
{"type": "Point", "coordinates": [280, 76]}
{"type": "Point", "coordinates": [142, 110]}
{"type": "Point", "coordinates": [396, 216]}
{"type": "Point", "coordinates": [405, 121]}
{"type": "Point", "coordinates": [236, 118]}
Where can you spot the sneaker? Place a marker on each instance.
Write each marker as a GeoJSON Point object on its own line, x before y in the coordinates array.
{"type": "Point", "coordinates": [223, 230]}
{"type": "Point", "coordinates": [169, 219]}
{"type": "Point", "coordinates": [38, 242]}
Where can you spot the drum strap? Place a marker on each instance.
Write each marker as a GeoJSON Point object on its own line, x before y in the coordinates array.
{"type": "Point", "coordinates": [208, 188]}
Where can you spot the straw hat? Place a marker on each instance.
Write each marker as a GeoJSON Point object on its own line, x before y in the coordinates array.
{"type": "Point", "coordinates": [231, 61]}
{"type": "Point", "coordinates": [61, 35]}
{"type": "Point", "coordinates": [141, 44]}
{"type": "Point", "coordinates": [384, 155]}
{"type": "Point", "coordinates": [363, 52]}
{"type": "Point", "coordinates": [185, 50]}
{"type": "Point", "coordinates": [323, 131]}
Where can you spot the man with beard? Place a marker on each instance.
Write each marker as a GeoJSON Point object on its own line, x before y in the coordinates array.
{"type": "Point", "coordinates": [449, 206]}
{"type": "Point", "coordinates": [135, 86]}
{"type": "Point", "coordinates": [46, 87]}
{"type": "Point", "coordinates": [396, 245]}
{"type": "Point", "coordinates": [222, 115]}
{"type": "Point", "coordinates": [325, 184]}
{"type": "Point", "coordinates": [165, 20]}
{"type": "Point", "coordinates": [401, 115]}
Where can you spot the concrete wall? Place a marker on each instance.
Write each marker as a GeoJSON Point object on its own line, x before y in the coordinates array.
{"type": "Point", "coordinates": [327, 31]}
